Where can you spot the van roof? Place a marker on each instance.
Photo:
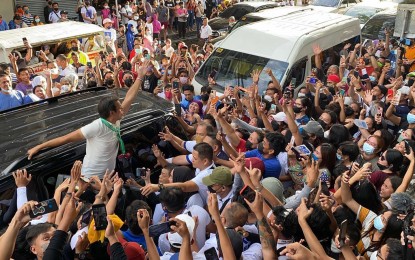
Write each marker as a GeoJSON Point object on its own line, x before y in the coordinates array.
{"type": "Point", "coordinates": [38, 35]}
{"type": "Point", "coordinates": [281, 32]}
{"type": "Point", "coordinates": [276, 12]}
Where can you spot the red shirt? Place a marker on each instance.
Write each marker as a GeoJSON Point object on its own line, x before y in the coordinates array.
{"type": "Point", "coordinates": [241, 146]}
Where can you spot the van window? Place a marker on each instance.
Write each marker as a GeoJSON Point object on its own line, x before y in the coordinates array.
{"type": "Point", "coordinates": [234, 69]}
{"type": "Point", "coordinates": [297, 72]}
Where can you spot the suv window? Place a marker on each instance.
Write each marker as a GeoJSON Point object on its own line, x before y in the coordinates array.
{"type": "Point", "coordinates": [237, 11]}
{"type": "Point", "coordinates": [375, 27]}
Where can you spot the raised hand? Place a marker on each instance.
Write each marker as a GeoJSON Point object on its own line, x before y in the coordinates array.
{"type": "Point", "coordinates": [316, 49]}
{"type": "Point", "coordinates": [21, 178]}
{"type": "Point", "coordinates": [255, 75]}
{"type": "Point", "coordinates": [302, 211]}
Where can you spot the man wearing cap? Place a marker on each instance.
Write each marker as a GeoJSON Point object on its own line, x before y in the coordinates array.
{"type": "Point", "coordinates": [313, 132]}
{"type": "Point", "coordinates": [88, 12]}
{"type": "Point", "coordinates": [110, 34]}
{"type": "Point", "coordinates": [55, 15]}
{"type": "Point", "coordinates": [332, 80]}
{"type": "Point", "coordinates": [221, 183]}
{"type": "Point", "coordinates": [64, 17]}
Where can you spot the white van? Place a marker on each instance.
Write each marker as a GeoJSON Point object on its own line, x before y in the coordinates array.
{"type": "Point", "coordinates": [285, 45]}
{"type": "Point", "coordinates": [46, 34]}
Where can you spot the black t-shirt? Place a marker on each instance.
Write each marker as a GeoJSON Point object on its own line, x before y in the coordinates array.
{"type": "Point", "coordinates": [141, 13]}
{"type": "Point", "coordinates": [149, 83]}
{"type": "Point", "coordinates": [169, 4]}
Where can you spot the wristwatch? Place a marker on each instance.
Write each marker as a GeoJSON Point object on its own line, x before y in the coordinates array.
{"type": "Point", "coordinates": [80, 256]}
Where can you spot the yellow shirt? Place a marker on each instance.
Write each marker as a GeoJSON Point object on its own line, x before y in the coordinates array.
{"type": "Point", "coordinates": [410, 55]}
{"type": "Point", "coordinates": [83, 57]}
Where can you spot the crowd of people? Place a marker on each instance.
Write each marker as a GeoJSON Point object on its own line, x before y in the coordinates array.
{"type": "Point", "coordinates": [320, 170]}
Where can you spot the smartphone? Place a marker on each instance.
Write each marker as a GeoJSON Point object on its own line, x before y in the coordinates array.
{"type": "Point", "coordinates": [100, 216]}
{"type": "Point", "coordinates": [213, 74]}
{"type": "Point", "coordinates": [86, 218]}
{"type": "Point", "coordinates": [314, 157]}
{"type": "Point", "coordinates": [247, 193]}
{"type": "Point", "coordinates": [342, 92]}
{"type": "Point", "coordinates": [407, 42]}
{"type": "Point", "coordinates": [342, 234]}
{"type": "Point", "coordinates": [302, 149]}
{"type": "Point", "coordinates": [390, 93]}
{"type": "Point", "coordinates": [297, 154]}
{"type": "Point", "coordinates": [286, 95]}
{"type": "Point", "coordinates": [178, 109]}
{"type": "Point", "coordinates": [274, 107]}
{"type": "Point", "coordinates": [325, 188]}
{"type": "Point", "coordinates": [311, 197]}
{"type": "Point", "coordinates": [190, 214]}
{"type": "Point", "coordinates": [175, 85]}
{"type": "Point", "coordinates": [364, 74]}
{"type": "Point", "coordinates": [85, 179]}
{"type": "Point", "coordinates": [407, 147]}
{"type": "Point", "coordinates": [375, 42]}
{"type": "Point", "coordinates": [113, 61]}
{"type": "Point", "coordinates": [312, 81]}
{"type": "Point", "coordinates": [140, 172]}
{"type": "Point", "coordinates": [160, 82]}
{"type": "Point", "coordinates": [159, 229]}
{"type": "Point", "coordinates": [356, 74]}
{"type": "Point", "coordinates": [37, 53]}
{"type": "Point", "coordinates": [293, 82]}
{"type": "Point", "coordinates": [89, 64]}
{"type": "Point", "coordinates": [233, 100]}
{"type": "Point", "coordinates": [213, 92]}
{"type": "Point", "coordinates": [43, 208]}
{"type": "Point", "coordinates": [211, 254]}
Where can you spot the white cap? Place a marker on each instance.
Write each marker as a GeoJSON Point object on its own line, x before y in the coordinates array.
{"type": "Point", "coordinates": [175, 239]}
{"type": "Point", "coordinates": [405, 90]}
{"type": "Point", "coordinates": [280, 117]}
{"type": "Point", "coordinates": [107, 20]}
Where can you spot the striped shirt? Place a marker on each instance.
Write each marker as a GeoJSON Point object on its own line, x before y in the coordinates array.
{"type": "Point", "coordinates": [28, 20]}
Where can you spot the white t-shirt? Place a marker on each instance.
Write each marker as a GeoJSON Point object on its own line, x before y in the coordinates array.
{"type": "Point", "coordinates": [89, 12]}
{"type": "Point", "coordinates": [199, 175]}
{"type": "Point", "coordinates": [204, 220]}
{"type": "Point", "coordinates": [101, 148]}
{"type": "Point", "coordinates": [168, 51]}
{"type": "Point", "coordinates": [205, 31]}
{"type": "Point", "coordinates": [68, 70]}
{"type": "Point", "coordinates": [54, 16]}
{"type": "Point", "coordinates": [126, 12]}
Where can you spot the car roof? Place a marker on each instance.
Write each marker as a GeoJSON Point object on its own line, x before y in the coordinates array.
{"type": "Point", "coordinates": [27, 126]}
{"type": "Point", "coordinates": [276, 12]}
{"type": "Point", "coordinates": [255, 4]}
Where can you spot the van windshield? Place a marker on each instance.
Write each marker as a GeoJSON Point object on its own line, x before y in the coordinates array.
{"type": "Point", "coordinates": [234, 69]}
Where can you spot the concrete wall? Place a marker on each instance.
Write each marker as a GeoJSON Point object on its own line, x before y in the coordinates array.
{"type": "Point", "coordinates": [7, 9]}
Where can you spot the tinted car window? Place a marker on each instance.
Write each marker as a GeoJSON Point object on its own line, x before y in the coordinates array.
{"type": "Point", "coordinates": [327, 3]}
{"type": "Point", "coordinates": [375, 27]}
{"type": "Point", "coordinates": [238, 11]}
{"type": "Point", "coordinates": [363, 13]}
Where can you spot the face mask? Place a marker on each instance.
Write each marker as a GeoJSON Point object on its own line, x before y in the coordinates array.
{"type": "Point", "coordinates": [372, 78]}
{"type": "Point", "coordinates": [64, 89]}
{"type": "Point", "coordinates": [211, 190]}
{"type": "Point", "coordinates": [168, 95]}
{"type": "Point", "coordinates": [26, 11]}
{"type": "Point", "coordinates": [37, 20]}
{"type": "Point", "coordinates": [410, 118]}
{"type": "Point", "coordinates": [322, 123]}
{"type": "Point", "coordinates": [378, 224]}
{"type": "Point", "coordinates": [136, 18]}
{"type": "Point", "coordinates": [54, 71]}
{"type": "Point", "coordinates": [301, 95]}
{"type": "Point", "coordinates": [74, 48]}
{"type": "Point", "coordinates": [199, 139]}
{"type": "Point", "coordinates": [128, 82]}
{"type": "Point", "coordinates": [297, 110]}
{"type": "Point", "coordinates": [338, 156]}
{"type": "Point", "coordinates": [55, 9]}
{"type": "Point", "coordinates": [109, 82]}
{"type": "Point", "coordinates": [368, 149]}
{"type": "Point", "coordinates": [248, 145]}
{"type": "Point", "coordinates": [382, 167]}
{"type": "Point", "coordinates": [261, 148]}
{"type": "Point", "coordinates": [400, 138]}
{"type": "Point", "coordinates": [55, 89]}
{"type": "Point", "coordinates": [183, 80]}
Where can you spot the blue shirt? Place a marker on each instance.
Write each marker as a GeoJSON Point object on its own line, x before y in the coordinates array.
{"type": "Point", "coordinates": [186, 103]}
{"type": "Point", "coordinates": [130, 237]}
{"type": "Point", "coordinates": [15, 99]}
{"type": "Point", "coordinates": [3, 26]}
{"type": "Point", "coordinates": [303, 121]}
{"type": "Point", "coordinates": [272, 165]}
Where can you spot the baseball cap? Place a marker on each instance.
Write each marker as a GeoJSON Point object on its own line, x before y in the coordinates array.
{"type": "Point", "coordinates": [313, 127]}
{"type": "Point", "coordinates": [107, 20]}
{"type": "Point", "coordinates": [280, 117]}
{"type": "Point", "coordinates": [220, 175]}
{"type": "Point", "coordinates": [183, 46]}
{"type": "Point", "coordinates": [256, 163]}
{"type": "Point", "coordinates": [175, 239]}
{"type": "Point", "coordinates": [275, 187]}
{"type": "Point", "coordinates": [405, 90]}
{"type": "Point", "coordinates": [64, 12]}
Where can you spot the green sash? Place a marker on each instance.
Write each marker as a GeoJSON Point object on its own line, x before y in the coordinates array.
{"type": "Point", "coordinates": [117, 131]}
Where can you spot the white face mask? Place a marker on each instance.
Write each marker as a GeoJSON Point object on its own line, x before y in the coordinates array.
{"type": "Point", "coordinates": [7, 91]}
{"type": "Point", "coordinates": [54, 71]}
{"type": "Point", "coordinates": [64, 89]}
{"type": "Point", "coordinates": [326, 134]}
{"type": "Point", "coordinates": [136, 18]}
{"type": "Point", "coordinates": [300, 95]}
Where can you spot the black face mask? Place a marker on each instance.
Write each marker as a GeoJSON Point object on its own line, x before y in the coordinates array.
{"type": "Point", "coordinates": [55, 9]}
{"type": "Point", "coordinates": [128, 82]}
{"type": "Point", "coordinates": [205, 97]}
{"type": "Point", "coordinates": [109, 82]}
{"type": "Point", "coordinates": [322, 123]}
{"type": "Point", "coordinates": [382, 167]}
{"type": "Point", "coordinates": [211, 190]}
{"type": "Point", "coordinates": [248, 145]}
{"type": "Point", "coordinates": [297, 110]}
{"type": "Point", "coordinates": [74, 48]}
{"type": "Point", "coordinates": [261, 148]}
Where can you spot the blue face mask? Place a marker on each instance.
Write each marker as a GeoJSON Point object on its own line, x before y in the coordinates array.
{"type": "Point", "coordinates": [410, 118]}
{"type": "Point", "coordinates": [368, 149]}
{"type": "Point", "coordinates": [400, 138]}
{"type": "Point", "coordinates": [372, 78]}
{"type": "Point", "coordinates": [378, 224]}
{"type": "Point", "coordinates": [339, 157]}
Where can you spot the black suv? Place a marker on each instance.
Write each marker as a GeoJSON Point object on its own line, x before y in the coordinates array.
{"type": "Point", "coordinates": [27, 126]}
{"type": "Point", "coordinates": [220, 24]}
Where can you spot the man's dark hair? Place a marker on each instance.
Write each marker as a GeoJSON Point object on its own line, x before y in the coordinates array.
{"type": "Point", "coordinates": [260, 135]}
{"type": "Point", "coordinates": [351, 149]}
{"type": "Point", "coordinates": [211, 120]}
{"type": "Point", "coordinates": [34, 231]}
{"type": "Point", "coordinates": [106, 105]}
{"type": "Point", "coordinates": [131, 215]}
{"type": "Point", "coordinates": [2, 74]}
{"type": "Point", "coordinates": [188, 87]}
{"type": "Point", "coordinates": [395, 249]}
{"type": "Point", "coordinates": [61, 57]}
{"type": "Point", "coordinates": [209, 128]}
{"type": "Point", "coordinates": [236, 240]}
{"type": "Point", "coordinates": [236, 215]}
{"type": "Point", "coordinates": [22, 70]}
{"type": "Point", "coordinates": [4, 67]}
{"type": "Point", "coordinates": [205, 151]}
{"type": "Point", "coordinates": [172, 198]}
{"type": "Point", "coordinates": [276, 142]}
